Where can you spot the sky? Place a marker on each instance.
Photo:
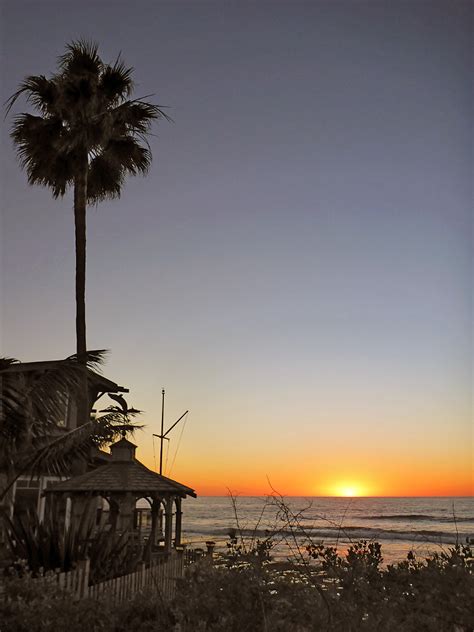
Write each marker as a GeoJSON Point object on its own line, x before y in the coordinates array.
{"type": "Point", "coordinates": [296, 268]}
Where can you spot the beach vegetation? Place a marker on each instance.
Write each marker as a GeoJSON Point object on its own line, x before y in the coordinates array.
{"type": "Point", "coordinates": [352, 592]}
{"type": "Point", "coordinates": [43, 546]}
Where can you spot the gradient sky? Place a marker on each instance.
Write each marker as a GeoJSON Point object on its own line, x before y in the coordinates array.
{"type": "Point", "coordinates": [297, 267]}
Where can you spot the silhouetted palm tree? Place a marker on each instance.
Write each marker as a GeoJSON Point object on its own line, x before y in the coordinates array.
{"type": "Point", "coordinates": [88, 135]}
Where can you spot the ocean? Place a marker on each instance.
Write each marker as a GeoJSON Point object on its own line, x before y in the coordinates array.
{"type": "Point", "coordinates": [423, 525]}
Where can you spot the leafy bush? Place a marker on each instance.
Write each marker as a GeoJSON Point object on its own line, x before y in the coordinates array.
{"type": "Point", "coordinates": [28, 605]}
{"type": "Point", "coordinates": [256, 552]}
{"type": "Point", "coordinates": [48, 546]}
{"type": "Point", "coordinates": [111, 555]}
{"type": "Point", "coordinates": [352, 593]}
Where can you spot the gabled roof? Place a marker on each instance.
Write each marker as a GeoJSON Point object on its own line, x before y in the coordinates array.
{"type": "Point", "coordinates": [123, 476]}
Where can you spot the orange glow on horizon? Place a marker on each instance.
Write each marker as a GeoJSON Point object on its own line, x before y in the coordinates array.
{"type": "Point", "coordinates": [215, 477]}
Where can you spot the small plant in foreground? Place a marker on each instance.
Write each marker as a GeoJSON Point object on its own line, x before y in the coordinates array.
{"type": "Point", "coordinates": [257, 552]}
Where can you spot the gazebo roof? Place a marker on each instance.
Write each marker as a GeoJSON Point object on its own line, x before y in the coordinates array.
{"type": "Point", "coordinates": [123, 474]}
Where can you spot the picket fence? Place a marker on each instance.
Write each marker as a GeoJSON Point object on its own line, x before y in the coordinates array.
{"type": "Point", "coordinates": [161, 575]}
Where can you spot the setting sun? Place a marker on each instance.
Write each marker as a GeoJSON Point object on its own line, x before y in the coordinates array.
{"type": "Point", "coordinates": [349, 490]}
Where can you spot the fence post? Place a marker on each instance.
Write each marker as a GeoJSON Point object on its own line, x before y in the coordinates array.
{"type": "Point", "coordinates": [210, 545]}
{"type": "Point", "coordinates": [142, 571]}
{"type": "Point", "coordinates": [83, 568]}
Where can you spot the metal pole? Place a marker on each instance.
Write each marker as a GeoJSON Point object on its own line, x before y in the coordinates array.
{"type": "Point", "coordinates": [162, 428]}
{"type": "Point", "coordinates": [175, 423]}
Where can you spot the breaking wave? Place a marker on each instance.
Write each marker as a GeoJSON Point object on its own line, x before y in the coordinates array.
{"type": "Point", "coordinates": [420, 518]}
{"type": "Point", "coordinates": [332, 533]}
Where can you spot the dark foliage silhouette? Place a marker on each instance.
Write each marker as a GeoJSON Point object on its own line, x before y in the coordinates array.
{"type": "Point", "coordinates": [30, 439]}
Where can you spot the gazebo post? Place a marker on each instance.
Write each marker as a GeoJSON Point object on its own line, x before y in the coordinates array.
{"type": "Point", "coordinates": [155, 511]}
{"type": "Point", "coordinates": [179, 513]}
{"type": "Point", "coordinates": [160, 517]}
{"type": "Point", "coordinates": [126, 511]}
{"type": "Point", "coordinates": [78, 508]}
{"type": "Point", "coordinates": [57, 507]}
{"type": "Point", "coordinates": [66, 501]}
{"type": "Point", "coordinates": [113, 511]}
{"type": "Point", "coordinates": [168, 523]}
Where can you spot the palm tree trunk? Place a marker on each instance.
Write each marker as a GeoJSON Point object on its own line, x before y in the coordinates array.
{"type": "Point", "coordinates": [80, 205]}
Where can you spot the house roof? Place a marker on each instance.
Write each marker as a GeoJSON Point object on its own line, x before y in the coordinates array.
{"type": "Point", "coordinates": [123, 476]}
{"type": "Point", "coordinates": [99, 382]}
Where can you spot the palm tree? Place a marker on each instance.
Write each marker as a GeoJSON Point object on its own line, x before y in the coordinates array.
{"type": "Point", "coordinates": [89, 135]}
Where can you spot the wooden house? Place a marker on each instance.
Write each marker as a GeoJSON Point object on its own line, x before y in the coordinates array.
{"type": "Point", "coordinates": [27, 492]}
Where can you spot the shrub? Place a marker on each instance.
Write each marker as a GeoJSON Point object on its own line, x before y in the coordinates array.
{"type": "Point", "coordinates": [354, 593]}
{"type": "Point", "coordinates": [47, 546]}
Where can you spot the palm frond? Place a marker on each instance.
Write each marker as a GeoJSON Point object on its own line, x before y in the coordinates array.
{"type": "Point", "coordinates": [136, 116]}
{"type": "Point", "coordinates": [112, 425]}
{"type": "Point", "coordinates": [42, 93]}
{"type": "Point", "coordinates": [30, 132]}
{"type": "Point", "coordinates": [58, 177]}
{"type": "Point", "coordinates": [57, 454]}
{"type": "Point", "coordinates": [81, 57]}
{"type": "Point", "coordinates": [31, 407]}
{"type": "Point", "coordinates": [6, 363]}
{"type": "Point", "coordinates": [116, 82]}
{"type": "Point", "coordinates": [95, 359]}
{"type": "Point", "coordinates": [40, 142]}
{"type": "Point", "coordinates": [128, 154]}
{"type": "Point", "coordinates": [107, 171]}
{"type": "Point", "coordinates": [104, 180]}
{"type": "Point", "coordinates": [85, 109]}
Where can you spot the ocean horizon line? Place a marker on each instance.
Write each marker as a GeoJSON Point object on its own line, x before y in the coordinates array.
{"type": "Point", "coordinates": [243, 495]}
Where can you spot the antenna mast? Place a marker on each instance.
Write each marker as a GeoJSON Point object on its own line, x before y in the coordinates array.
{"type": "Point", "coordinates": [162, 437]}
{"type": "Point", "coordinates": [162, 427]}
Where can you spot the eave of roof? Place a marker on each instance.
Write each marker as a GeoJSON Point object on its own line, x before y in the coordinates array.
{"type": "Point", "coordinates": [99, 381]}
{"type": "Point", "coordinates": [122, 476]}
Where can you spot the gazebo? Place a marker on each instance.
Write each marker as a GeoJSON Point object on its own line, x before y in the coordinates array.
{"type": "Point", "coordinates": [122, 482]}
